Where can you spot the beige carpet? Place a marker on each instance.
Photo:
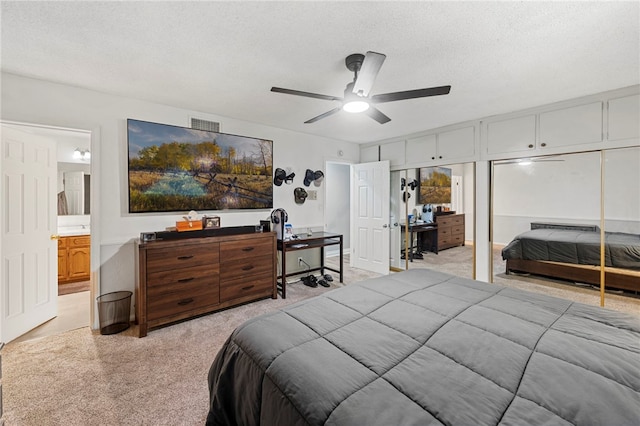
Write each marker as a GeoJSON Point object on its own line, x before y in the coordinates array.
{"type": "Point", "coordinates": [83, 378]}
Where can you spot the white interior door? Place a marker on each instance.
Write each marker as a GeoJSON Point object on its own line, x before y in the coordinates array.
{"type": "Point", "coordinates": [29, 282]}
{"type": "Point", "coordinates": [74, 192]}
{"type": "Point", "coordinates": [370, 217]}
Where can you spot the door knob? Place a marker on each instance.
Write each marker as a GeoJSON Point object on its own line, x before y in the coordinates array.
{"type": "Point", "coordinates": [384, 226]}
{"type": "Point", "coordinates": [55, 237]}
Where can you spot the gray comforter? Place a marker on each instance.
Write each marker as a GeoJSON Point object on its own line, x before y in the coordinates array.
{"type": "Point", "coordinates": [578, 247]}
{"type": "Point", "coordinates": [427, 348]}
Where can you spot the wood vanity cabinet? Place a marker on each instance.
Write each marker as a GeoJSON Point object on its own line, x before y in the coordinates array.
{"type": "Point", "coordinates": [183, 278]}
{"type": "Point", "coordinates": [74, 258]}
{"type": "Point", "coordinates": [450, 230]}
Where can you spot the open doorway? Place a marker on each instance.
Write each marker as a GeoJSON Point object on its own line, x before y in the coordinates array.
{"type": "Point", "coordinates": [338, 203]}
{"type": "Point", "coordinates": [72, 229]}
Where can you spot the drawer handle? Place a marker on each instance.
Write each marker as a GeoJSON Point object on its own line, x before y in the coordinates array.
{"type": "Point", "coordinates": [184, 302]}
{"type": "Point", "coordinates": [249, 287]}
{"type": "Point", "coordinates": [185, 257]}
{"type": "Point", "coordinates": [247, 249]}
{"type": "Point", "coordinates": [185, 280]}
{"type": "Point", "coordinates": [247, 268]}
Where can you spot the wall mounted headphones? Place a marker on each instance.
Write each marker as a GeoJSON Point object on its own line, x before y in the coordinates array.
{"type": "Point", "coordinates": [277, 214]}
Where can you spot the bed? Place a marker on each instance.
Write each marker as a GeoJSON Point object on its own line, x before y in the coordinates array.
{"type": "Point", "coordinates": [571, 252]}
{"type": "Point", "coordinates": [422, 347]}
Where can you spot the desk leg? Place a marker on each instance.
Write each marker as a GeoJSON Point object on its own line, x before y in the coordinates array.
{"type": "Point", "coordinates": [284, 271]}
{"type": "Point", "coordinates": [435, 241]}
{"type": "Point", "coordinates": [410, 246]}
{"type": "Point", "coordinates": [322, 261]}
{"type": "Point", "coordinates": [341, 262]}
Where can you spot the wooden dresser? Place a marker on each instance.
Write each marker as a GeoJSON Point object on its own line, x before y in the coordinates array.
{"type": "Point", "coordinates": [450, 230]}
{"type": "Point", "coordinates": [179, 279]}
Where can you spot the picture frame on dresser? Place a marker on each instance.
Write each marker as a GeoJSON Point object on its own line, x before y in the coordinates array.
{"type": "Point", "coordinates": [211, 222]}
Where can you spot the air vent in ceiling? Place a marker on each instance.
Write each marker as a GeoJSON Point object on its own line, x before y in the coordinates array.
{"type": "Point", "coordinates": [209, 126]}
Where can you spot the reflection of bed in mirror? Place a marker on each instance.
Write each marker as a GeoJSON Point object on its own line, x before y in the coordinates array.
{"type": "Point", "coordinates": [572, 252]}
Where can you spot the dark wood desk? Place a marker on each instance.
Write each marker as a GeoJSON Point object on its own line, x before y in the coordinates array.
{"type": "Point", "coordinates": [304, 242]}
{"type": "Point", "coordinates": [418, 229]}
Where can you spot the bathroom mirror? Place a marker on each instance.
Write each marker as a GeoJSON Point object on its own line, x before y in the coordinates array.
{"type": "Point", "coordinates": [74, 194]}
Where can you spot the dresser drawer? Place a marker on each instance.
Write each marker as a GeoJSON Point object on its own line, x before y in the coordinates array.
{"type": "Point", "coordinates": [254, 285]}
{"type": "Point", "coordinates": [444, 233]}
{"type": "Point", "coordinates": [241, 268]}
{"type": "Point", "coordinates": [457, 220]}
{"type": "Point", "coordinates": [169, 258]}
{"type": "Point", "coordinates": [457, 230]}
{"type": "Point", "coordinates": [449, 240]}
{"type": "Point", "coordinates": [182, 297]}
{"type": "Point", "coordinates": [231, 250]}
{"type": "Point", "coordinates": [452, 220]}
{"type": "Point", "coordinates": [181, 275]}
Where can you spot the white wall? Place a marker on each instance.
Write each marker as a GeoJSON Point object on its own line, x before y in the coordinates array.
{"type": "Point", "coordinates": [39, 102]}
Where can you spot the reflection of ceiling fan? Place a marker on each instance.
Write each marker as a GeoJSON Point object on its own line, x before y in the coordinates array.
{"type": "Point", "coordinates": [356, 95]}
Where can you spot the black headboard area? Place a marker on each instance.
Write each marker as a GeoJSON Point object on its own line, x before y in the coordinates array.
{"type": "Point", "coordinates": [569, 226]}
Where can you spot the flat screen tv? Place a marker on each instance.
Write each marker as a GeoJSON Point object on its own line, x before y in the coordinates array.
{"type": "Point", "coordinates": [177, 169]}
{"type": "Point", "coordinates": [434, 185]}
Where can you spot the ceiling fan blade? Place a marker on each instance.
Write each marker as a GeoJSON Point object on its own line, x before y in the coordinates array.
{"type": "Point", "coordinates": [411, 94]}
{"type": "Point", "coordinates": [321, 116]}
{"type": "Point", "coordinates": [377, 115]}
{"type": "Point", "coordinates": [307, 94]}
{"type": "Point", "coordinates": [368, 73]}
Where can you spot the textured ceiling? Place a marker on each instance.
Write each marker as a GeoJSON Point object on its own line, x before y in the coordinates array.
{"type": "Point", "coordinates": [223, 57]}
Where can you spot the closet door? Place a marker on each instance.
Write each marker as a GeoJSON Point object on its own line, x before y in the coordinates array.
{"type": "Point", "coordinates": [621, 206]}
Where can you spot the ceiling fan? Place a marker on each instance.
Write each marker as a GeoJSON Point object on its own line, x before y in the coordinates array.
{"type": "Point", "coordinates": [356, 94]}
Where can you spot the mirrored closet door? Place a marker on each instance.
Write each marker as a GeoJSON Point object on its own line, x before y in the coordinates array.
{"type": "Point", "coordinates": [432, 219]}
{"type": "Point", "coordinates": [621, 211]}
{"type": "Point", "coordinates": [566, 224]}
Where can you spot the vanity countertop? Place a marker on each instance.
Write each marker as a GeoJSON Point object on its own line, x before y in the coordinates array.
{"type": "Point", "coordinates": [71, 231]}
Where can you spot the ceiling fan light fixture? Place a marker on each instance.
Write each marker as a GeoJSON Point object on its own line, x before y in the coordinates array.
{"type": "Point", "coordinates": [355, 106]}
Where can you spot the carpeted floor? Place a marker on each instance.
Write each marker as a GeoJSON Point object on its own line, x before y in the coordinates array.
{"type": "Point", "coordinates": [83, 378]}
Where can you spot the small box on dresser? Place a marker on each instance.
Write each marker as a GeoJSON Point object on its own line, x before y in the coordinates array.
{"type": "Point", "coordinates": [180, 279]}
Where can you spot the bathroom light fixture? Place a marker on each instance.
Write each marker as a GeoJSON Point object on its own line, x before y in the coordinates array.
{"type": "Point", "coordinates": [79, 154]}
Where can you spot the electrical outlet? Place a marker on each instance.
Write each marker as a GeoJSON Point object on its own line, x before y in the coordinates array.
{"type": "Point", "coordinates": [312, 195]}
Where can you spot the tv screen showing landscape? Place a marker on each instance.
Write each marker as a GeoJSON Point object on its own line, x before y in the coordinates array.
{"type": "Point", "coordinates": [178, 169]}
{"type": "Point", "coordinates": [434, 185]}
